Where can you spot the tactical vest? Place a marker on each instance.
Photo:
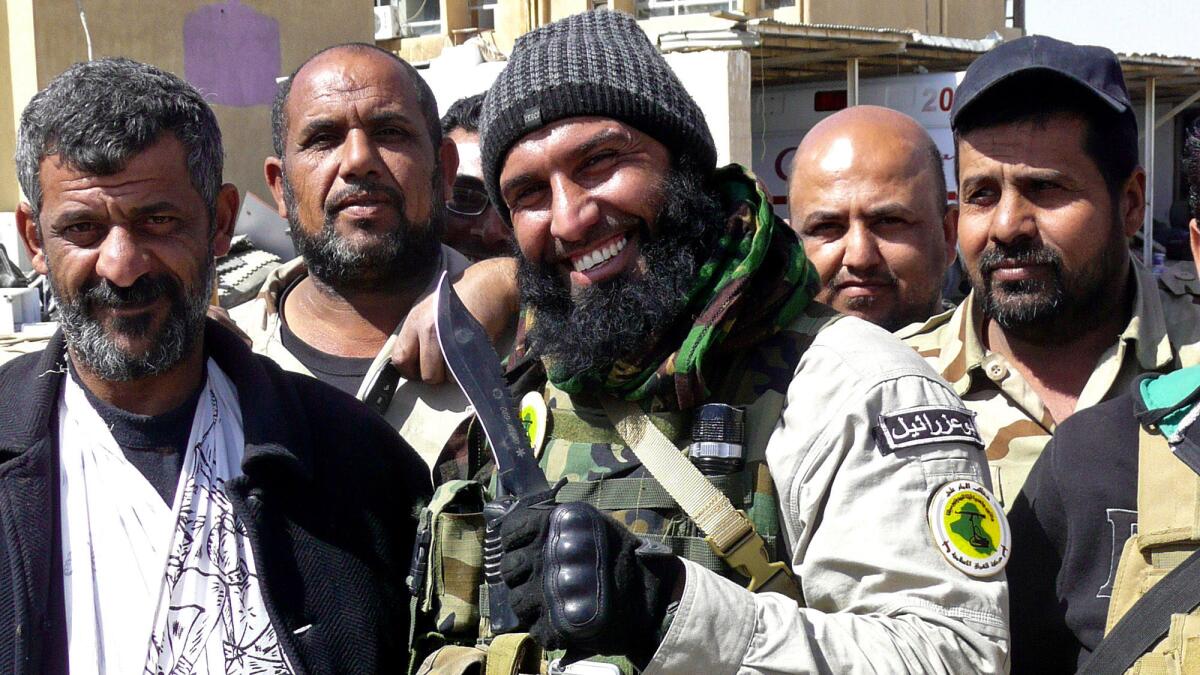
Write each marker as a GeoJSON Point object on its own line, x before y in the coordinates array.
{"type": "Point", "coordinates": [582, 446]}
{"type": "Point", "coordinates": [1168, 532]}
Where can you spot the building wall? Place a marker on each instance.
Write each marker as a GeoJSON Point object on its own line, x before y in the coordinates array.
{"type": "Point", "coordinates": [955, 18]}
{"type": "Point", "coordinates": [231, 49]}
{"type": "Point", "coordinates": [8, 176]}
{"type": "Point", "coordinates": [18, 83]}
{"type": "Point", "coordinates": [726, 109]}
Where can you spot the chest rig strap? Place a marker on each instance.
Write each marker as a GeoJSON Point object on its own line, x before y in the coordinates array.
{"type": "Point", "coordinates": [728, 531]}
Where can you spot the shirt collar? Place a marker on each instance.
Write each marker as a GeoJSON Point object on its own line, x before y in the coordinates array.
{"type": "Point", "coordinates": [1146, 330]}
{"type": "Point", "coordinates": [279, 280]}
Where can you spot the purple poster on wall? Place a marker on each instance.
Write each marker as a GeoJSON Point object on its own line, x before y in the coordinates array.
{"type": "Point", "coordinates": [231, 53]}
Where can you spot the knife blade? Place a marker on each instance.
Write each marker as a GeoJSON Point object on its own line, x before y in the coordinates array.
{"type": "Point", "coordinates": [474, 364]}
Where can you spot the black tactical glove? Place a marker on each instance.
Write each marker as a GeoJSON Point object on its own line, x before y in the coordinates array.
{"type": "Point", "coordinates": [579, 580]}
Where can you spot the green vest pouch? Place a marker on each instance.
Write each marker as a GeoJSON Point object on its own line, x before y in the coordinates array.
{"type": "Point", "coordinates": [448, 599]}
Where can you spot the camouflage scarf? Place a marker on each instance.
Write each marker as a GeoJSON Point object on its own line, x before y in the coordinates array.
{"type": "Point", "coordinates": [755, 282]}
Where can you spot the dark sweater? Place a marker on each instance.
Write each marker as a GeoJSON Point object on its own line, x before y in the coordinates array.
{"type": "Point", "coordinates": [1069, 524]}
{"type": "Point", "coordinates": [329, 498]}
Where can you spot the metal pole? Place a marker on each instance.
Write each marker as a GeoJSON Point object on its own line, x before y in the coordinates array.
{"type": "Point", "coordinates": [851, 82]}
{"type": "Point", "coordinates": [1148, 165]}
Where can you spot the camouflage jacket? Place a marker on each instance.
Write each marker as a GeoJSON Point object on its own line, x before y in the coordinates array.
{"type": "Point", "coordinates": [425, 415]}
{"type": "Point", "coordinates": [1162, 335]}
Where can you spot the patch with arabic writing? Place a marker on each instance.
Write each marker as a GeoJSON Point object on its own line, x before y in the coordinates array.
{"type": "Point", "coordinates": [969, 528]}
{"type": "Point", "coordinates": [926, 425]}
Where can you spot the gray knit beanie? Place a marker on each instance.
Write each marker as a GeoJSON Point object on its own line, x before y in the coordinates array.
{"type": "Point", "coordinates": [596, 63]}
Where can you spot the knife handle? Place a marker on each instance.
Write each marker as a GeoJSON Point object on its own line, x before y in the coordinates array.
{"type": "Point", "coordinates": [500, 612]}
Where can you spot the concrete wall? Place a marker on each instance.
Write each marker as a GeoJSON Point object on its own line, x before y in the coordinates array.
{"type": "Point", "coordinates": [8, 176]}
{"type": "Point", "coordinates": [956, 18]}
{"type": "Point", "coordinates": [232, 50]}
{"type": "Point", "coordinates": [726, 108]}
{"type": "Point", "coordinates": [18, 83]}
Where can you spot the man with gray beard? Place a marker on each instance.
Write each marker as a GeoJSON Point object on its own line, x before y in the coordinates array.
{"type": "Point", "coordinates": [169, 501]}
{"type": "Point", "coordinates": [361, 171]}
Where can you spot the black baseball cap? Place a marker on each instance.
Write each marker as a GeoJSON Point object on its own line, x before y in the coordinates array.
{"type": "Point", "coordinates": [1096, 69]}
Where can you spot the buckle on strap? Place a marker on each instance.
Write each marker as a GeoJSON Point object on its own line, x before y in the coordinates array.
{"type": "Point", "coordinates": [748, 555]}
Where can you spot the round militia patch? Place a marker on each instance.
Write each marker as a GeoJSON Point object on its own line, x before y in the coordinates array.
{"type": "Point", "coordinates": [534, 419]}
{"type": "Point", "coordinates": [969, 528]}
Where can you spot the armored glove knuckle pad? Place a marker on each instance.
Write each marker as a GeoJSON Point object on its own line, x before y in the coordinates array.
{"type": "Point", "coordinates": [576, 582]}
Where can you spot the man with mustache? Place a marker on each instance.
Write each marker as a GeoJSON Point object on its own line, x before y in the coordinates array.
{"type": "Point", "coordinates": [1050, 191]}
{"type": "Point", "coordinates": [868, 198]}
{"type": "Point", "coordinates": [171, 501]}
{"type": "Point", "coordinates": [361, 171]}
{"type": "Point", "coordinates": [668, 316]}
{"type": "Point", "coordinates": [1095, 543]}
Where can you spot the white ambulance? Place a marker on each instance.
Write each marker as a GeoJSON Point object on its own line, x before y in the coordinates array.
{"type": "Point", "coordinates": [783, 115]}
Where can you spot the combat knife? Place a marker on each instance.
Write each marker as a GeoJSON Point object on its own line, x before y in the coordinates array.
{"type": "Point", "coordinates": [474, 364]}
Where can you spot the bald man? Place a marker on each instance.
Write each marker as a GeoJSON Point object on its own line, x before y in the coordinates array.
{"type": "Point", "coordinates": [868, 199]}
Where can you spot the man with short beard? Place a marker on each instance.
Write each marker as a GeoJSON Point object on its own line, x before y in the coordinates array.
{"type": "Point", "coordinates": [173, 502]}
{"type": "Point", "coordinates": [361, 170]}
{"type": "Point", "coordinates": [1058, 318]}
{"type": "Point", "coordinates": [665, 305]}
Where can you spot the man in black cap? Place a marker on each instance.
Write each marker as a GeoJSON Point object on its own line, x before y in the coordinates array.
{"type": "Point", "coordinates": [1050, 191]}
{"type": "Point", "coordinates": [667, 309]}
{"type": "Point", "coordinates": [1110, 509]}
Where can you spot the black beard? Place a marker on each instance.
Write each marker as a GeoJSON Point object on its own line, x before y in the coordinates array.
{"type": "Point", "coordinates": [94, 346]}
{"type": "Point", "coordinates": [1053, 311]}
{"type": "Point", "coordinates": [394, 259]}
{"type": "Point", "coordinates": [624, 317]}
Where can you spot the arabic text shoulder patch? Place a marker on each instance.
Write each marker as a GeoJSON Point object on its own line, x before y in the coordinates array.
{"type": "Point", "coordinates": [925, 425]}
{"type": "Point", "coordinates": [969, 528]}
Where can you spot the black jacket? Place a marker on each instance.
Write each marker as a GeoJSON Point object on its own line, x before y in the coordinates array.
{"type": "Point", "coordinates": [1069, 524]}
{"type": "Point", "coordinates": [329, 497]}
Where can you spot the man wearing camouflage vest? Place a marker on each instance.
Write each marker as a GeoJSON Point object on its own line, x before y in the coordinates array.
{"type": "Point", "coordinates": [655, 287]}
{"type": "Point", "coordinates": [1050, 191]}
{"type": "Point", "coordinates": [1110, 508]}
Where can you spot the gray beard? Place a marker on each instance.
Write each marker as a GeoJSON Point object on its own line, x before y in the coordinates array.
{"type": "Point", "coordinates": [94, 347]}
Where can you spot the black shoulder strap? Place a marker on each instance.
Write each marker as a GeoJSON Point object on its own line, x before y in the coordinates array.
{"type": "Point", "coordinates": [1147, 622]}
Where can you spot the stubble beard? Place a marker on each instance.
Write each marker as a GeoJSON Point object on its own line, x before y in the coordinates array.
{"type": "Point", "coordinates": [592, 328]}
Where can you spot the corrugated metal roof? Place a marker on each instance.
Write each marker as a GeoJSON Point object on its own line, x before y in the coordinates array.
{"type": "Point", "coordinates": [791, 51]}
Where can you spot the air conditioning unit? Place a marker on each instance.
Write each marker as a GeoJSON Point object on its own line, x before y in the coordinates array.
{"type": "Point", "coordinates": [388, 22]}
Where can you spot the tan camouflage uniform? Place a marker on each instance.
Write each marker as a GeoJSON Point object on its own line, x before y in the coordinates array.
{"type": "Point", "coordinates": [425, 415]}
{"type": "Point", "coordinates": [1161, 335]}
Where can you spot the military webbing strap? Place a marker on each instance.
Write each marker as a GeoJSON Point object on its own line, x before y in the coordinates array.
{"type": "Point", "coordinates": [611, 494]}
{"type": "Point", "coordinates": [729, 532]}
{"type": "Point", "coordinates": [513, 653]}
